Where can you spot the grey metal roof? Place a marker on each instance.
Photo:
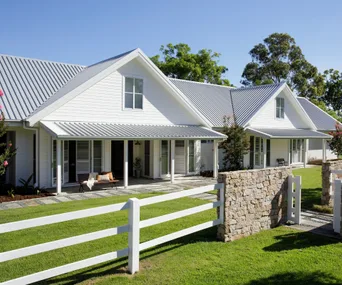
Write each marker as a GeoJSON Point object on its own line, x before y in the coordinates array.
{"type": "Point", "coordinates": [322, 120]}
{"type": "Point", "coordinates": [213, 101]}
{"type": "Point", "coordinates": [27, 83]}
{"type": "Point", "coordinates": [81, 78]}
{"type": "Point", "coordinates": [247, 101]}
{"type": "Point", "coordinates": [126, 131]}
{"type": "Point", "coordinates": [289, 133]}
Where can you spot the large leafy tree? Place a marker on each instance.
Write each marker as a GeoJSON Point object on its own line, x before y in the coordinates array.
{"type": "Point", "coordinates": [333, 90]}
{"type": "Point", "coordinates": [235, 146]}
{"type": "Point", "coordinates": [177, 61]}
{"type": "Point", "coordinates": [279, 59]}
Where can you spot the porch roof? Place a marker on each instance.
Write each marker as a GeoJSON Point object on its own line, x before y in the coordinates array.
{"type": "Point", "coordinates": [94, 130]}
{"type": "Point", "coordinates": [288, 133]}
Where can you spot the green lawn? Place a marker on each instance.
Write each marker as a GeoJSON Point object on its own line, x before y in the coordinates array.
{"type": "Point", "coordinates": [278, 256]}
{"type": "Point", "coordinates": [311, 186]}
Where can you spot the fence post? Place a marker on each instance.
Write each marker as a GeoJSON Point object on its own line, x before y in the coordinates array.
{"type": "Point", "coordinates": [298, 200]}
{"type": "Point", "coordinates": [221, 217]}
{"type": "Point", "coordinates": [337, 206]}
{"type": "Point", "coordinates": [290, 198]}
{"type": "Point", "coordinates": [133, 235]}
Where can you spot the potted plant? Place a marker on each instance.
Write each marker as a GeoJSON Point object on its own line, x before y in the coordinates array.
{"type": "Point", "coordinates": [137, 167]}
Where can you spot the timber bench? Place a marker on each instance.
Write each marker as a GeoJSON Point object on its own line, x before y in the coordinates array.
{"type": "Point", "coordinates": [84, 177]}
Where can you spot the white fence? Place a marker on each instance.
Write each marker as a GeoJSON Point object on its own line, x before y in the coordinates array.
{"type": "Point", "coordinates": [133, 228]}
{"type": "Point", "coordinates": [294, 199]}
{"type": "Point", "coordinates": [337, 206]}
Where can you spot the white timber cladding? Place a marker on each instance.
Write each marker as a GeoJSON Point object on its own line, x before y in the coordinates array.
{"type": "Point", "coordinates": [103, 102]}
{"type": "Point", "coordinates": [279, 149]}
{"type": "Point", "coordinates": [24, 153]}
{"type": "Point", "coordinates": [266, 118]}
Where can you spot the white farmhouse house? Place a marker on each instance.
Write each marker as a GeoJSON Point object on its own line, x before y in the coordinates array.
{"type": "Point", "coordinates": [67, 119]}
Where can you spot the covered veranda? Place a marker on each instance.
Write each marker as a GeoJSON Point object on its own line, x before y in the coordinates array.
{"type": "Point", "coordinates": [268, 146]}
{"type": "Point", "coordinates": [165, 151]}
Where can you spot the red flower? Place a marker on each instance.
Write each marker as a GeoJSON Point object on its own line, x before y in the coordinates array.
{"type": "Point", "coordinates": [5, 163]}
{"type": "Point", "coordinates": [1, 93]}
{"type": "Point", "coordinates": [9, 144]}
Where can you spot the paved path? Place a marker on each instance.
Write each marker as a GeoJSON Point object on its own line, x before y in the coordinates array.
{"type": "Point", "coordinates": [317, 223]}
{"type": "Point", "coordinates": [180, 184]}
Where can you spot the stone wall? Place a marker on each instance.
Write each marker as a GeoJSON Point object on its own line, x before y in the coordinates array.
{"type": "Point", "coordinates": [255, 200]}
{"type": "Point", "coordinates": [326, 197]}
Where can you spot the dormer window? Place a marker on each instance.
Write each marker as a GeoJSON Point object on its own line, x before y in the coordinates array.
{"type": "Point", "coordinates": [134, 93]}
{"type": "Point", "coordinates": [280, 106]}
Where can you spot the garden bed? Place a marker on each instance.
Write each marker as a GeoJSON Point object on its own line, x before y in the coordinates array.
{"type": "Point", "coordinates": [16, 197]}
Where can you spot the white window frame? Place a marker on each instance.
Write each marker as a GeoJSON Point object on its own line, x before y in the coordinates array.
{"type": "Point", "coordinates": [124, 92]}
{"type": "Point", "coordinates": [281, 99]}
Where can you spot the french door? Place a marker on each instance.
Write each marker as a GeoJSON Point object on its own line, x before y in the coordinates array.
{"type": "Point", "coordinates": [165, 158]}
{"type": "Point", "coordinates": [297, 146]}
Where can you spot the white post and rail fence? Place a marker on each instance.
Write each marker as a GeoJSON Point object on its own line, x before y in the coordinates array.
{"type": "Point", "coordinates": [133, 228]}
{"type": "Point", "coordinates": [337, 206]}
{"type": "Point", "coordinates": [294, 199]}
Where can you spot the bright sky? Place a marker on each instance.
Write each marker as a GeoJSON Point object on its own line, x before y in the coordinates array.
{"type": "Point", "coordinates": [87, 31]}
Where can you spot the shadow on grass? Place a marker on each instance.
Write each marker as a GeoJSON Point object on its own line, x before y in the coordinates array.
{"type": "Point", "coordinates": [299, 240]}
{"type": "Point", "coordinates": [310, 197]}
{"type": "Point", "coordinates": [119, 266]}
{"type": "Point", "coordinates": [294, 278]}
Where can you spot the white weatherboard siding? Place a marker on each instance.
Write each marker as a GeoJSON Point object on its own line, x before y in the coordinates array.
{"type": "Point", "coordinates": [44, 158]}
{"type": "Point", "coordinates": [266, 118]}
{"type": "Point", "coordinates": [279, 149]}
{"type": "Point", "coordinates": [103, 102]}
{"type": "Point", "coordinates": [315, 150]}
{"type": "Point", "coordinates": [24, 154]}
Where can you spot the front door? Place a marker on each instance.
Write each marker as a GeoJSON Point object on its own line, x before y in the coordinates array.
{"type": "Point", "coordinates": [147, 148]}
{"type": "Point", "coordinates": [164, 160]}
{"type": "Point", "coordinates": [118, 158]}
{"type": "Point", "coordinates": [72, 161]}
{"type": "Point", "coordinates": [297, 150]}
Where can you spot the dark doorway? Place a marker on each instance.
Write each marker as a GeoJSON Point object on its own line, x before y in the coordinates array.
{"type": "Point", "coordinates": [72, 161]}
{"type": "Point", "coordinates": [118, 158]}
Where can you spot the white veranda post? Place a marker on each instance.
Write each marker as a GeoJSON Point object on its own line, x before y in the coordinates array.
{"type": "Point", "coordinates": [324, 151]}
{"type": "Point", "coordinates": [172, 161]}
{"type": "Point", "coordinates": [59, 167]}
{"type": "Point", "coordinates": [306, 147]}
{"type": "Point", "coordinates": [125, 163]}
{"type": "Point", "coordinates": [215, 159]}
{"type": "Point", "coordinates": [265, 153]}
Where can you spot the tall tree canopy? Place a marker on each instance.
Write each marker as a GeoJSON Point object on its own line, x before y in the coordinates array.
{"type": "Point", "coordinates": [333, 90]}
{"type": "Point", "coordinates": [177, 61]}
{"type": "Point", "coordinates": [279, 59]}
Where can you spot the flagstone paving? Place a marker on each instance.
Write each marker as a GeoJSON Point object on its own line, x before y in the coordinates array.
{"type": "Point", "coordinates": [184, 183]}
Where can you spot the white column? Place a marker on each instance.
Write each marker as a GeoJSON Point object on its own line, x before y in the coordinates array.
{"type": "Point", "coordinates": [215, 158]}
{"type": "Point", "coordinates": [324, 151]}
{"type": "Point", "coordinates": [265, 152]}
{"type": "Point", "coordinates": [186, 157]}
{"type": "Point", "coordinates": [125, 163]}
{"type": "Point", "coordinates": [172, 161]}
{"type": "Point", "coordinates": [59, 167]}
{"type": "Point", "coordinates": [289, 148]}
{"type": "Point", "coordinates": [306, 147]}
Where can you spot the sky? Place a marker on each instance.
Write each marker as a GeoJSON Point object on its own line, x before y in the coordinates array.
{"type": "Point", "coordinates": [87, 31]}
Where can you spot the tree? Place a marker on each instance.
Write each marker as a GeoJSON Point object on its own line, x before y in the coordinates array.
{"type": "Point", "coordinates": [335, 143]}
{"type": "Point", "coordinates": [7, 150]}
{"type": "Point", "coordinates": [333, 90]}
{"type": "Point", "coordinates": [178, 62]}
{"type": "Point", "coordinates": [235, 146]}
{"type": "Point", "coordinates": [279, 59]}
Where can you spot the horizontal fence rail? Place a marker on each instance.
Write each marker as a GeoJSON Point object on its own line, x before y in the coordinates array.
{"type": "Point", "coordinates": [133, 229]}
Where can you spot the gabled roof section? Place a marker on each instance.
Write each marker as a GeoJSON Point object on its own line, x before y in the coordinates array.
{"type": "Point", "coordinates": [248, 101]}
{"type": "Point", "coordinates": [81, 78]}
{"type": "Point", "coordinates": [213, 101]}
{"type": "Point", "coordinates": [322, 120]}
{"type": "Point", "coordinates": [28, 83]}
{"type": "Point", "coordinates": [288, 133]}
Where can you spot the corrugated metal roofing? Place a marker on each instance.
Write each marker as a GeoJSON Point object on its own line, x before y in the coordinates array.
{"type": "Point", "coordinates": [28, 83]}
{"type": "Point", "coordinates": [213, 101]}
{"type": "Point", "coordinates": [126, 131]}
{"type": "Point", "coordinates": [247, 101]}
{"type": "Point", "coordinates": [322, 120]}
{"type": "Point", "coordinates": [289, 133]}
{"type": "Point", "coordinates": [81, 78]}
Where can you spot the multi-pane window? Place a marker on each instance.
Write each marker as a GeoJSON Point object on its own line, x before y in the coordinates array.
{"type": "Point", "coordinates": [191, 156]}
{"type": "Point", "coordinates": [97, 156]}
{"type": "Point", "coordinates": [280, 105]}
{"type": "Point", "coordinates": [134, 89]}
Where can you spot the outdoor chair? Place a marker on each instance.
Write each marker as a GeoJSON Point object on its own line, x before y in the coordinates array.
{"type": "Point", "coordinates": [82, 180]}
{"type": "Point", "coordinates": [281, 162]}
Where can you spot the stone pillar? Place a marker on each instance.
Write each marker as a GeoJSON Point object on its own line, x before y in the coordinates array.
{"type": "Point", "coordinates": [254, 200]}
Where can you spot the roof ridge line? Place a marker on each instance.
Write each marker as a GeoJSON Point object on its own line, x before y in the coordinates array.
{"type": "Point", "coordinates": [204, 83]}
{"type": "Point", "coordinates": [259, 86]}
